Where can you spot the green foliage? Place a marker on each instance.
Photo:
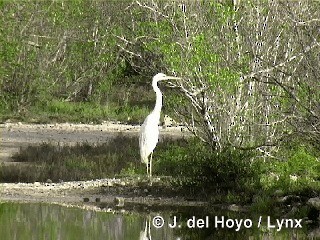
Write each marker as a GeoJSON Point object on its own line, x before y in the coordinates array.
{"type": "Point", "coordinates": [78, 73]}
{"type": "Point", "coordinates": [78, 64]}
{"type": "Point", "coordinates": [301, 170]}
{"type": "Point", "coordinates": [203, 60]}
{"type": "Point", "coordinates": [195, 165]}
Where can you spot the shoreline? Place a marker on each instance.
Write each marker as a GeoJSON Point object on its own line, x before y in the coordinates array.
{"type": "Point", "coordinates": [93, 195]}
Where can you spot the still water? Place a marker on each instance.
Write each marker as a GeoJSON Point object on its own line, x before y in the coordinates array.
{"type": "Point", "coordinates": [48, 221]}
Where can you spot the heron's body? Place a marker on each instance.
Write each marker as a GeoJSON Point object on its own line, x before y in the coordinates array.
{"type": "Point", "coordinates": [149, 132]}
{"type": "Point", "coordinates": [149, 141]}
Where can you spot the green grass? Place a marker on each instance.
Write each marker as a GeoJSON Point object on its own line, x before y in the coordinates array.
{"type": "Point", "coordinates": [129, 104]}
{"type": "Point", "coordinates": [79, 112]}
{"type": "Point", "coordinates": [70, 111]}
{"type": "Point", "coordinates": [230, 176]}
{"type": "Point", "coordinates": [89, 112]}
{"type": "Point", "coordinates": [80, 162]}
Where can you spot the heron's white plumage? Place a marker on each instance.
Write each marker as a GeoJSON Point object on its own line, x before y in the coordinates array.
{"type": "Point", "coordinates": [149, 136]}
{"type": "Point", "coordinates": [149, 132]}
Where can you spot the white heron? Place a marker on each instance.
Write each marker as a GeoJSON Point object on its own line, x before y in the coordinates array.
{"type": "Point", "coordinates": [149, 132]}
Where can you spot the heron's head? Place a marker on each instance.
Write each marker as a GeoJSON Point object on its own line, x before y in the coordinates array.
{"type": "Point", "coordinates": [161, 76]}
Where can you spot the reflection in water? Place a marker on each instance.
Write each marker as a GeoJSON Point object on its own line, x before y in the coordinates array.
{"type": "Point", "coordinates": [146, 233]}
{"type": "Point", "coordinates": [44, 221]}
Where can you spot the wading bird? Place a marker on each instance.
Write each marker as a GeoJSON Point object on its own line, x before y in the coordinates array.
{"type": "Point", "coordinates": [149, 132]}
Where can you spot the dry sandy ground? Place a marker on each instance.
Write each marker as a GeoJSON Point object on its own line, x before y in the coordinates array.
{"type": "Point", "coordinates": [16, 135]}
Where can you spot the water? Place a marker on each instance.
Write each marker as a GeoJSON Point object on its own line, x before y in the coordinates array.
{"type": "Point", "coordinates": [48, 221]}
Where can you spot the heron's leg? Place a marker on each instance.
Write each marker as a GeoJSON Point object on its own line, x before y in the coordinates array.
{"type": "Point", "coordinates": [150, 165]}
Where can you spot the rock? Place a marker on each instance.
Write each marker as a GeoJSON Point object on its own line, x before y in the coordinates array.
{"type": "Point", "coordinates": [49, 181]}
{"type": "Point", "coordinates": [234, 208]}
{"type": "Point", "coordinates": [86, 199]}
{"type": "Point", "coordinates": [314, 202]}
{"type": "Point", "coordinates": [119, 201]}
{"type": "Point", "coordinates": [109, 210]}
{"type": "Point", "coordinates": [37, 184]}
{"type": "Point", "coordinates": [290, 199]}
{"type": "Point", "coordinates": [314, 234]}
{"type": "Point", "coordinates": [168, 122]}
{"type": "Point", "coordinates": [293, 178]}
{"type": "Point", "coordinates": [278, 193]}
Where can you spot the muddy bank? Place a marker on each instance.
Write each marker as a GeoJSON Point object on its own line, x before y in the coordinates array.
{"type": "Point", "coordinates": [16, 135]}
{"type": "Point", "coordinates": [13, 136]}
{"type": "Point", "coordinates": [100, 194]}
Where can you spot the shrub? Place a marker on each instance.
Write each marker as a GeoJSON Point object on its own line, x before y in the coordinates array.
{"type": "Point", "coordinates": [298, 172]}
{"type": "Point", "coordinates": [196, 165]}
{"type": "Point", "coordinates": [80, 162]}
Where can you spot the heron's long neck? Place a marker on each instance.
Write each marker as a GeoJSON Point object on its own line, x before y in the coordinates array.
{"type": "Point", "coordinates": [158, 106]}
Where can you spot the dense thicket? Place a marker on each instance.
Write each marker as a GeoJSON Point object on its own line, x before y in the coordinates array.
{"type": "Point", "coordinates": [250, 71]}
{"type": "Point", "coordinates": [58, 51]}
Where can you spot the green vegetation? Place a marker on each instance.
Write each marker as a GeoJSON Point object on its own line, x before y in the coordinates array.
{"type": "Point", "coordinates": [57, 64]}
{"type": "Point", "coordinates": [196, 167]}
{"type": "Point", "coordinates": [301, 170]}
{"type": "Point", "coordinates": [230, 176]}
{"type": "Point", "coordinates": [249, 90]}
{"type": "Point", "coordinates": [243, 83]}
{"type": "Point", "coordinates": [79, 162]}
